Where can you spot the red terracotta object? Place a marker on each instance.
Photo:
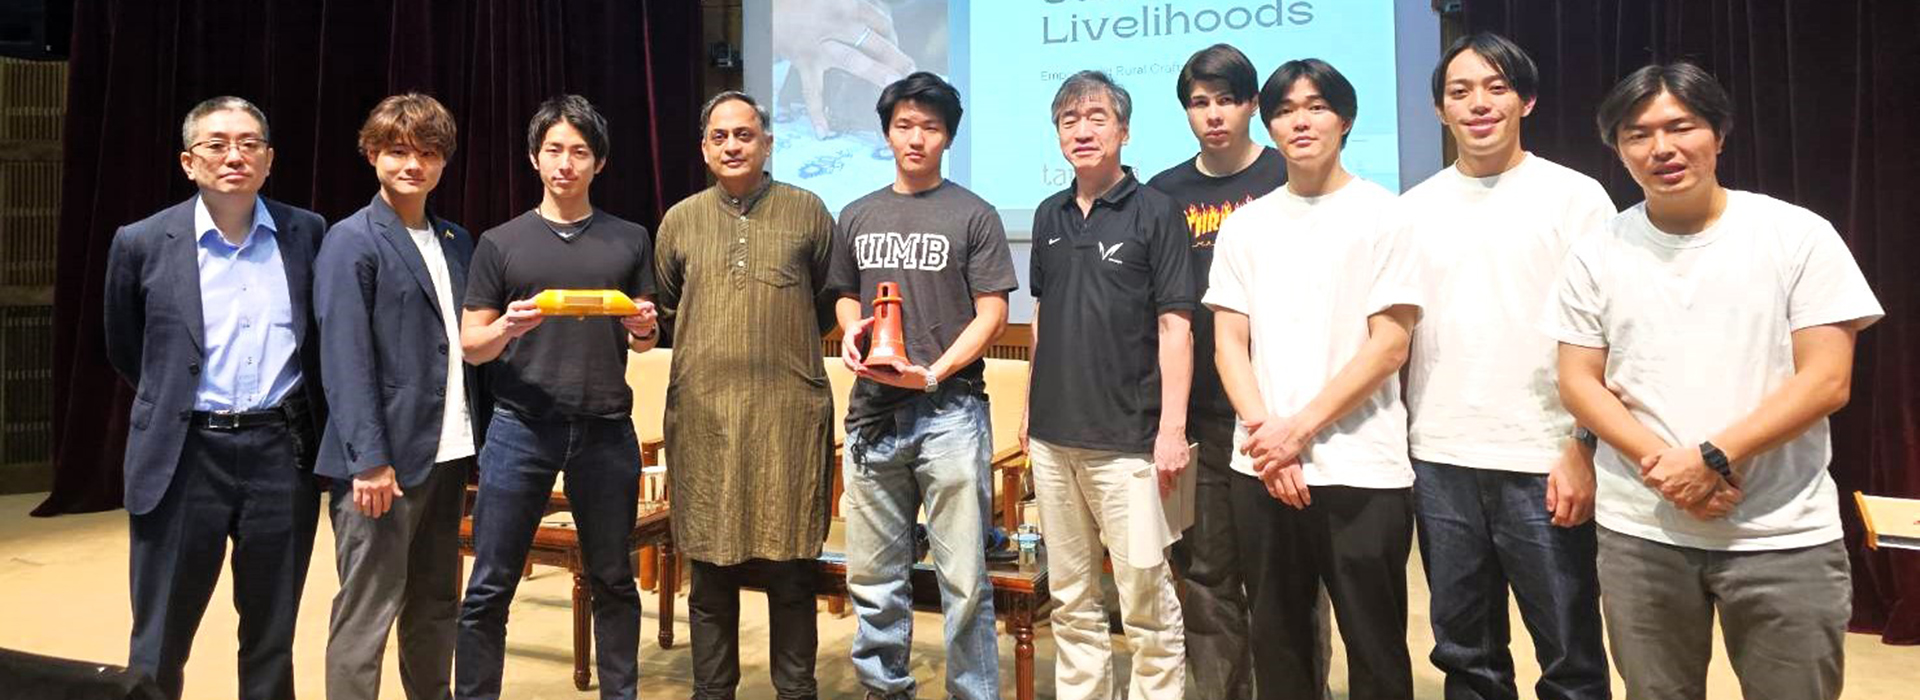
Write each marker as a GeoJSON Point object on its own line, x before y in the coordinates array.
{"type": "Point", "coordinates": [888, 349]}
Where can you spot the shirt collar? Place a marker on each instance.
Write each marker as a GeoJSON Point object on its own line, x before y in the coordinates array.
{"type": "Point", "coordinates": [203, 221]}
{"type": "Point", "coordinates": [742, 205]}
{"type": "Point", "coordinates": [1114, 195]}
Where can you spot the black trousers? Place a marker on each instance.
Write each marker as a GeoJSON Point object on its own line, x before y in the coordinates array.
{"type": "Point", "coordinates": [244, 485]}
{"type": "Point", "coordinates": [713, 610]}
{"type": "Point", "coordinates": [1354, 541]}
{"type": "Point", "coordinates": [1207, 557]}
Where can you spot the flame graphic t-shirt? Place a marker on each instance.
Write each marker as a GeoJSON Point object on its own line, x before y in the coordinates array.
{"type": "Point", "coordinates": [1203, 202]}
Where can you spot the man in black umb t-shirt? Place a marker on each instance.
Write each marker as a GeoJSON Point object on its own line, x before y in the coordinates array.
{"type": "Point", "coordinates": [1218, 88]}
{"type": "Point", "coordinates": [564, 405]}
{"type": "Point", "coordinates": [921, 434]}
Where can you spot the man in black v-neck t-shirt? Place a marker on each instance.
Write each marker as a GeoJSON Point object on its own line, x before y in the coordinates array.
{"type": "Point", "coordinates": [568, 367]}
{"type": "Point", "coordinates": [564, 405]}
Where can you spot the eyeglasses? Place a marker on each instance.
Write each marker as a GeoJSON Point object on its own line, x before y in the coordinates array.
{"type": "Point", "coordinates": [218, 149]}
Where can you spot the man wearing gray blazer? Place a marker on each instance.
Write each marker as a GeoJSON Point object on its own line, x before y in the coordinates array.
{"type": "Point", "coordinates": [400, 439]}
{"type": "Point", "coordinates": [207, 316]}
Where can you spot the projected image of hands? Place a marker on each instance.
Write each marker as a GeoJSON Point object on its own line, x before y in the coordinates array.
{"type": "Point", "coordinates": [831, 58]}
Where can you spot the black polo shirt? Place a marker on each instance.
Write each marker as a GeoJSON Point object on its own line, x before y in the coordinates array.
{"type": "Point", "coordinates": [1102, 281]}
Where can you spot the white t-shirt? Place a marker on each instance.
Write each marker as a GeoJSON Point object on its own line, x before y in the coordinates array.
{"type": "Point", "coordinates": [1481, 384]}
{"type": "Point", "coordinates": [456, 430]}
{"type": "Point", "coordinates": [1698, 331]}
{"type": "Point", "coordinates": [1307, 272]}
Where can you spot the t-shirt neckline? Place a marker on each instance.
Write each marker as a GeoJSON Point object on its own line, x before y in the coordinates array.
{"type": "Point", "coordinates": [1704, 238]}
{"type": "Point", "coordinates": [1319, 198]}
{"type": "Point", "coordinates": [1526, 158]}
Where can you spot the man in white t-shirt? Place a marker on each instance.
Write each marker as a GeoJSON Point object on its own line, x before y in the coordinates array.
{"type": "Point", "coordinates": [1726, 320]}
{"type": "Point", "coordinates": [399, 442]}
{"type": "Point", "coordinates": [1504, 494]}
{"type": "Point", "coordinates": [1314, 298]}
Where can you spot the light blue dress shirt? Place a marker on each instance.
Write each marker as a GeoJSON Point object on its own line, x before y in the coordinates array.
{"type": "Point", "coordinates": [250, 344]}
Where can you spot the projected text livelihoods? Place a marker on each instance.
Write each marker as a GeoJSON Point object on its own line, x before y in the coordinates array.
{"type": "Point", "coordinates": [1166, 20]}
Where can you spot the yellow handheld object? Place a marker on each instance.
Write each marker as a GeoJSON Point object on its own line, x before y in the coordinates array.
{"type": "Point", "coordinates": [585, 302]}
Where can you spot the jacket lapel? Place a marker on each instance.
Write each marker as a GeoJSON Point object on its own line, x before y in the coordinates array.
{"type": "Point", "coordinates": [181, 264]}
{"type": "Point", "coordinates": [296, 255]}
{"type": "Point", "coordinates": [388, 224]}
{"type": "Point", "coordinates": [451, 247]}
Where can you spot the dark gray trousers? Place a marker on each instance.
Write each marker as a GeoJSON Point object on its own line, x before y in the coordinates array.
{"type": "Point", "coordinates": [405, 566]}
{"type": "Point", "coordinates": [1783, 613]}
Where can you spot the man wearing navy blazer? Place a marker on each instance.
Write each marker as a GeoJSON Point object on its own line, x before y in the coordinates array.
{"type": "Point", "coordinates": [207, 316]}
{"type": "Point", "coordinates": [399, 440]}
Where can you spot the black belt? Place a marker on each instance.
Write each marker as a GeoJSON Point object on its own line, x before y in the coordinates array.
{"type": "Point", "coordinates": [283, 414]}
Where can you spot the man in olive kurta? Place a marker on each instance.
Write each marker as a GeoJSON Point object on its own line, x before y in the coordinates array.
{"type": "Point", "coordinates": [748, 417]}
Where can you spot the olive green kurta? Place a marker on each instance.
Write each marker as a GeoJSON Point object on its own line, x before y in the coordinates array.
{"type": "Point", "coordinates": [749, 439]}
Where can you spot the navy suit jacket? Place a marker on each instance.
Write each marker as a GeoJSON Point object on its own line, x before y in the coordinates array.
{"type": "Point", "coordinates": [153, 334]}
{"type": "Point", "coordinates": [385, 346]}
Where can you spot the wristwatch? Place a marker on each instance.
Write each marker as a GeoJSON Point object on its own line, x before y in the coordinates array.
{"type": "Point", "coordinates": [933, 382]}
{"type": "Point", "coordinates": [1586, 438]}
{"type": "Point", "coordinates": [1716, 459]}
{"type": "Point", "coordinates": [652, 333]}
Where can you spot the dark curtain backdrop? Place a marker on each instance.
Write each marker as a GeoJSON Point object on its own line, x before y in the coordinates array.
{"type": "Point", "coordinates": [1828, 99]}
{"type": "Point", "coordinates": [316, 68]}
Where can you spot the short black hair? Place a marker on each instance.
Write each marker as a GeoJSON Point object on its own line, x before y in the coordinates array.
{"type": "Point", "coordinates": [1220, 63]}
{"type": "Point", "coordinates": [1506, 57]}
{"type": "Point", "coordinates": [1333, 87]}
{"type": "Point", "coordinates": [1693, 86]}
{"type": "Point", "coordinates": [706, 110]}
{"type": "Point", "coordinates": [579, 113]}
{"type": "Point", "coordinates": [924, 89]}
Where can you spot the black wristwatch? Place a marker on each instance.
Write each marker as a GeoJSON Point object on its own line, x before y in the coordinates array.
{"type": "Point", "coordinates": [1586, 438]}
{"type": "Point", "coordinates": [1716, 459]}
{"type": "Point", "coordinates": [652, 333]}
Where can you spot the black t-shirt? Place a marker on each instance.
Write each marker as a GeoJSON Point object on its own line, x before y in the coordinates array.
{"type": "Point", "coordinates": [1102, 281]}
{"type": "Point", "coordinates": [1203, 202]}
{"type": "Point", "coordinates": [942, 246]}
{"type": "Point", "coordinates": [566, 367]}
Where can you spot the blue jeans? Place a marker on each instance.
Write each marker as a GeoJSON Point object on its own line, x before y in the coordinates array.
{"type": "Point", "coordinates": [601, 459]}
{"type": "Point", "coordinates": [934, 451]}
{"type": "Point", "coordinates": [1481, 532]}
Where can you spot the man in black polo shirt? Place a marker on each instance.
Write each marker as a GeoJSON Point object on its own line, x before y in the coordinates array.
{"type": "Point", "coordinates": [1108, 404]}
{"type": "Point", "coordinates": [563, 401]}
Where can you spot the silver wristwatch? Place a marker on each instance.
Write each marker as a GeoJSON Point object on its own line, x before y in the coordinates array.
{"type": "Point", "coordinates": [933, 383]}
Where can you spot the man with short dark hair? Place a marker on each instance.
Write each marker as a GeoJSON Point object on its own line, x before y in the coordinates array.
{"type": "Point", "coordinates": [1727, 320]}
{"type": "Point", "coordinates": [1106, 419]}
{"type": "Point", "coordinates": [1503, 492]}
{"type": "Point", "coordinates": [207, 318]}
{"type": "Point", "coordinates": [399, 441]}
{"type": "Point", "coordinates": [1314, 297]}
{"type": "Point", "coordinates": [749, 415]}
{"type": "Point", "coordinates": [1218, 88]}
{"type": "Point", "coordinates": [918, 435]}
{"type": "Point", "coordinates": [562, 401]}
